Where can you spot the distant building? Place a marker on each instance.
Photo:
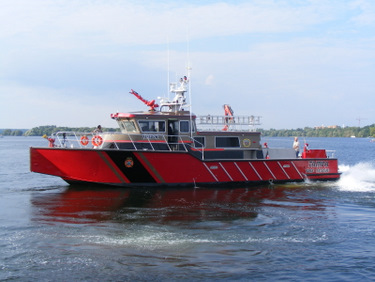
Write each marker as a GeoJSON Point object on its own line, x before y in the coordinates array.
{"type": "Point", "coordinates": [328, 126]}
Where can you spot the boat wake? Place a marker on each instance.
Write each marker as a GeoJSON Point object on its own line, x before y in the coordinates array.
{"type": "Point", "coordinates": [357, 178]}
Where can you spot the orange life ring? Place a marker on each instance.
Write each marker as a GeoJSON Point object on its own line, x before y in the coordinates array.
{"type": "Point", "coordinates": [84, 140]}
{"type": "Point", "coordinates": [97, 140]}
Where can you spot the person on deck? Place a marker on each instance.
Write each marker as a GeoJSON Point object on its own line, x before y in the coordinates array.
{"type": "Point", "coordinates": [50, 140]}
{"type": "Point", "coordinates": [98, 129]}
{"type": "Point", "coordinates": [296, 146]}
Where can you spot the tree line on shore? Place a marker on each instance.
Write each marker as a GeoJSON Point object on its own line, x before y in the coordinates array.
{"type": "Point", "coordinates": [366, 131]}
{"type": "Point", "coordinates": [12, 132]}
{"type": "Point", "coordinates": [51, 129]}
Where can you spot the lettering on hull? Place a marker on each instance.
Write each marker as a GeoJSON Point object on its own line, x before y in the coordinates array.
{"type": "Point", "coordinates": [317, 167]}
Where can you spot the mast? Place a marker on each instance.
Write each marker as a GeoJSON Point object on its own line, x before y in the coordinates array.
{"type": "Point", "coordinates": [168, 67]}
{"type": "Point", "coordinates": [189, 90]}
{"type": "Point", "coordinates": [190, 101]}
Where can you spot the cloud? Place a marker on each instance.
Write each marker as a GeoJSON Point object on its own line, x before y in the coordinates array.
{"type": "Point", "coordinates": [209, 80]}
{"type": "Point", "coordinates": [366, 14]}
{"type": "Point", "coordinates": [72, 24]}
{"type": "Point", "coordinates": [263, 55]}
{"type": "Point", "coordinates": [27, 107]}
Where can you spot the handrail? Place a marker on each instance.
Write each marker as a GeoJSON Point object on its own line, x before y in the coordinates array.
{"type": "Point", "coordinates": [71, 139]}
{"type": "Point", "coordinates": [62, 137]}
{"type": "Point", "coordinates": [223, 120]}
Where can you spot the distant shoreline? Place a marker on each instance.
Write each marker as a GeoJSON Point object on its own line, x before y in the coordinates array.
{"type": "Point", "coordinates": [360, 132]}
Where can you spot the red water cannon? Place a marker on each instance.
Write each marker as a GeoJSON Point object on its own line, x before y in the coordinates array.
{"type": "Point", "coordinates": [150, 104]}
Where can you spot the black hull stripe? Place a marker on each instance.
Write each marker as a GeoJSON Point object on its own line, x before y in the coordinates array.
{"type": "Point", "coordinates": [137, 173]}
{"type": "Point", "coordinates": [324, 174]}
{"type": "Point", "coordinates": [240, 184]}
{"type": "Point", "coordinates": [119, 176]}
{"type": "Point", "coordinates": [152, 168]}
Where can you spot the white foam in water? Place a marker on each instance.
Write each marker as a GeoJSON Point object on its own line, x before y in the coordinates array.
{"type": "Point", "coordinates": [357, 178]}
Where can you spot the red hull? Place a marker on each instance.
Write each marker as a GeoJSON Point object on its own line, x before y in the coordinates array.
{"type": "Point", "coordinates": [152, 168]}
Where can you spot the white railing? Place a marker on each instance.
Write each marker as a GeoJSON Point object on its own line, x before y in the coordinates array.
{"type": "Point", "coordinates": [139, 142]}
{"type": "Point", "coordinates": [209, 122]}
{"type": "Point", "coordinates": [331, 152]}
{"type": "Point", "coordinates": [223, 120]}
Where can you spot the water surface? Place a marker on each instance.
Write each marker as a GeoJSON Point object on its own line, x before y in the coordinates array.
{"type": "Point", "coordinates": [306, 231]}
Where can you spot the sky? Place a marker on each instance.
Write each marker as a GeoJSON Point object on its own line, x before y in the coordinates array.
{"type": "Point", "coordinates": [295, 63]}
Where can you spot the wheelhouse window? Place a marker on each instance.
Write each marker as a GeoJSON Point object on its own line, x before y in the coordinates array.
{"type": "Point", "coordinates": [227, 142]}
{"type": "Point", "coordinates": [152, 125]}
{"type": "Point", "coordinates": [128, 126]}
{"type": "Point", "coordinates": [184, 126]}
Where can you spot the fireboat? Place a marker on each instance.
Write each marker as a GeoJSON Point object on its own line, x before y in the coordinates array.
{"type": "Point", "coordinates": [169, 146]}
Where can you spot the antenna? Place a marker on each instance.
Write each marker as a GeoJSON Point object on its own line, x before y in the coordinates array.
{"type": "Point", "coordinates": [359, 121]}
{"type": "Point", "coordinates": [168, 67]}
{"type": "Point", "coordinates": [190, 100]}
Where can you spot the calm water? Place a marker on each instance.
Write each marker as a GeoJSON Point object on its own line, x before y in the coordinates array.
{"type": "Point", "coordinates": [309, 231]}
